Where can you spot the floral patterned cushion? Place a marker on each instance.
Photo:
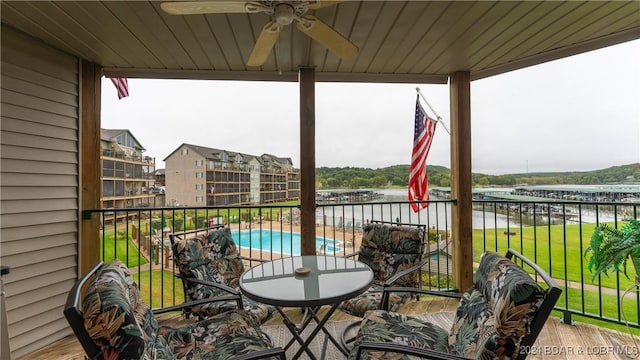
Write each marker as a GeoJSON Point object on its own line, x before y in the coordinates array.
{"type": "Point", "coordinates": [110, 317]}
{"type": "Point", "coordinates": [490, 321]}
{"type": "Point", "coordinates": [387, 250]}
{"type": "Point", "coordinates": [370, 300]}
{"type": "Point", "coordinates": [222, 251]}
{"type": "Point", "coordinates": [472, 315]}
{"type": "Point", "coordinates": [495, 314]}
{"type": "Point", "coordinates": [384, 326]}
{"type": "Point", "coordinates": [126, 331]}
{"type": "Point", "coordinates": [222, 336]}
{"type": "Point", "coordinates": [213, 258]}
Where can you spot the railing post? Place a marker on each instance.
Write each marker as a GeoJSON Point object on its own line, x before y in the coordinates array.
{"type": "Point", "coordinates": [566, 318]}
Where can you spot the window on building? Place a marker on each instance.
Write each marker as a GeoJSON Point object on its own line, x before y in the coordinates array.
{"type": "Point", "coordinates": [185, 151]}
{"type": "Point", "coordinates": [107, 168]}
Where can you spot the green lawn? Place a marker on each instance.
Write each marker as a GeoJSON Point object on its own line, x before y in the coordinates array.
{"type": "Point", "coordinates": [127, 251]}
{"type": "Point", "coordinates": [604, 304]}
{"type": "Point", "coordinates": [166, 289]}
{"type": "Point", "coordinates": [546, 245]}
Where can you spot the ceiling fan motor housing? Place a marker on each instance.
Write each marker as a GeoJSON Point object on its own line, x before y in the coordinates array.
{"type": "Point", "coordinates": [283, 14]}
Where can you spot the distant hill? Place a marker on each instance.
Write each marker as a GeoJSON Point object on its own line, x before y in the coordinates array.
{"type": "Point", "coordinates": [398, 175]}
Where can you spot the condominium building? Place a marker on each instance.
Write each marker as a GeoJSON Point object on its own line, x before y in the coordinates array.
{"type": "Point", "coordinates": [126, 173]}
{"type": "Point", "coordinates": [203, 176]}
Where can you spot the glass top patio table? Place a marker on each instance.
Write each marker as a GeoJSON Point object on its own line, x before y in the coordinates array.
{"type": "Point", "coordinates": [329, 281]}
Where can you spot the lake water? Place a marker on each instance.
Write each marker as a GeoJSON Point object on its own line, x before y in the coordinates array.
{"type": "Point", "coordinates": [437, 214]}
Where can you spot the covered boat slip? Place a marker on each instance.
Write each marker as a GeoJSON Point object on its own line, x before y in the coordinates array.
{"type": "Point", "coordinates": [54, 54]}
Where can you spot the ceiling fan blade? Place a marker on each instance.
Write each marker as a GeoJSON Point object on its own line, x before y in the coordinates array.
{"type": "Point", "coordinates": [265, 43]}
{"type": "Point", "coordinates": [211, 7]}
{"type": "Point", "coordinates": [319, 4]}
{"type": "Point", "coordinates": [325, 35]}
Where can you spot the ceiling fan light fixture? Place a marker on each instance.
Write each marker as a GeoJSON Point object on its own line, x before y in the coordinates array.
{"type": "Point", "coordinates": [283, 14]}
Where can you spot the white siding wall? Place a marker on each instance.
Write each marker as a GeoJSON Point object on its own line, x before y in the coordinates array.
{"type": "Point", "coordinates": [39, 187]}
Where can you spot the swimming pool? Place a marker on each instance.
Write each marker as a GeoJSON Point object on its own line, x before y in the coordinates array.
{"type": "Point", "coordinates": [280, 242]}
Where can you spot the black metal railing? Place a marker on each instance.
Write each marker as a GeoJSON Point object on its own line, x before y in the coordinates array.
{"type": "Point", "coordinates": [554, 234]}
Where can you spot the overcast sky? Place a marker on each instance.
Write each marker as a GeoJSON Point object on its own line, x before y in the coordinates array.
{"type": "Point", "coordinates": [578, 113]}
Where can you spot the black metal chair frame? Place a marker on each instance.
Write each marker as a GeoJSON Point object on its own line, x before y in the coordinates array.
{"type": "Point", "coordinates": [74, 315]}
{"type": "Point", "coordinates": [552, 293]}
{"type": "Point", "coordinates": [390, 281]}
{"type": "Point", "coordinates": [418, 267]}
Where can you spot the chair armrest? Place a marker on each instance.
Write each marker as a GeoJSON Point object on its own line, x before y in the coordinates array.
{"type": "Point", "coordinates": [352, 254]}
{"type": "Point", "coordinates": [445, 293]}
{"type": "Point", "coordinates": [263, 354]}
{"type": "Point", "coordinates": [253, 259]}
{"type": "Point", "coordinates": [223, 287]}
{"type": "Point", "coordinates": [384, 302]}
{"type": "Point", "coordinates": [197, 302]}
{"type": "Point", "coordinates": [404, 272]}
{"type": "Point", "coordinates": [234, 292]}
{"type": "Point", "coordinates": [404, 349]}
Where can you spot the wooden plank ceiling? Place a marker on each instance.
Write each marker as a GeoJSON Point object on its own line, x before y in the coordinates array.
{"type": "Point", "coordinates": [398, 41]}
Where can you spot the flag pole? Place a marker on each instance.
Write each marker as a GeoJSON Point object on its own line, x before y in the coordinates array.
{"type": "Point", "coordinates": [438, 118]}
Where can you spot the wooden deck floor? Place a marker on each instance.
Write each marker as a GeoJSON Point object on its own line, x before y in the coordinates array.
{"type": "Point", "coordinates": [556, 341]}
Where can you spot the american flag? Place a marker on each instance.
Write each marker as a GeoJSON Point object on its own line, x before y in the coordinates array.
{"type": "Point", "coordinates": [424, 130]}
{"type": "Point", "coordinates": [122, 86]}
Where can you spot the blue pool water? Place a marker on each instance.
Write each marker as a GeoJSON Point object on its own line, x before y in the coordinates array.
{"type": "Point", "coordinates": [280, 242]}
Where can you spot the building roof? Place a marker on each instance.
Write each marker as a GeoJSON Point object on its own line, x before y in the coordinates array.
{"type": "Point", "coordinates": [620, 188]}
{"type": "Point", "coordinates": [110, 135]}
{"type": "Point", "coordinates": [215, 154]}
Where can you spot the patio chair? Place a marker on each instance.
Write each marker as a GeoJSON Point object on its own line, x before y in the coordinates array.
{"type": "Point", "coordinates": [210, 266]}
{"type": "Point", "coordinates": [394, 253]}
{"type": "Point", "coordinates": [500, 316]}
{"type": "Point", "coordinates": [110, 320]}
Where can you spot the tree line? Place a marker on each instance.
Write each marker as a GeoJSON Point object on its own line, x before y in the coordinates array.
{"type": "Point", "coordinates": [398, 175]}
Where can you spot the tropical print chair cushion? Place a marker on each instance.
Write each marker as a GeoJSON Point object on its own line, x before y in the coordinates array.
{"type": "Point", "coordinates": [472, 326]}
{"type": "Point", "coordinates": [223, 336]}
{"type": "Point", "coordinates": [109, 316]}
{"type": "Point", "coordinates": [370, 300]}
{"type": "Point", "coordinates": [222, 251]}
{"type": "Point", "coordinates": [204, 258]}
{"type": "Point", "coordinates": [512, 298]}
{"type": "Point", "coordinates": [385, 326]}
{"type": "Point", "coordinates": [387, 250]}
{"type": "Point", "coordinates": [490, 321]}
{"type": "Point", "coordinates": [126, 331]}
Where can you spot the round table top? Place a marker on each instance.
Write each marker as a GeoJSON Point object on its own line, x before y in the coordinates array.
{"type": "Point", "coordinates": [329, 280]}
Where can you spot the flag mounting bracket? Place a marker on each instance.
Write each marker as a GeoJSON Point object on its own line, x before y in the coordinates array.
{"type": "Point", "coordinates": [438, 118]}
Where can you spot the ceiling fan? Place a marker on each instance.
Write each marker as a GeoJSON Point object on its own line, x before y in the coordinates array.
{"type": "Point", "coordinates": [282, 13]}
